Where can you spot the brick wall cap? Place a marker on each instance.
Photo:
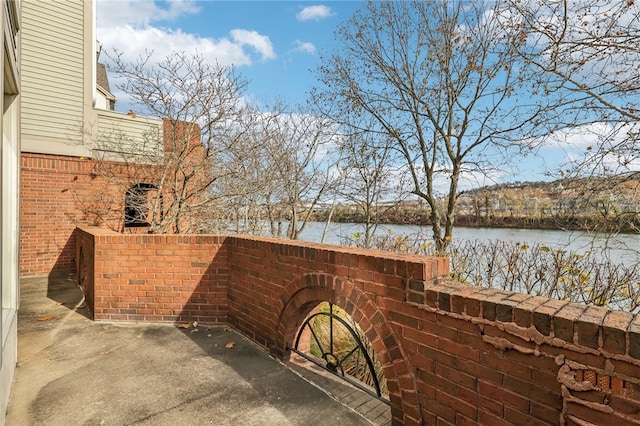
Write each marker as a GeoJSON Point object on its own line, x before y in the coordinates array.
{"type": "Point", "coordinates": [635, 324]}
{"type": "Point", "coordinates": [416, 258]}
{"type": "Point", "coordinates": [450, 287]}
{"type": "Point", "coordinates": [500, 297]}
{"type": "Point", "coordinates": [486, 292]}
{"type": "Point", "coordinates": [634, 327]}
{"type": "Point", "coordinates": [618, 320]}
{"type": "Point", "coordinates": [571, 311]}
{"type": "Point", "coordinates": [533, 303]}
{"type": "Point", "coordinates": [465, 290]}
{"type": "Point", "coordinates": [94, 230]}
{"type": "Point", "coordinates": [550, 306]}
{"type": "Point", "coordinates": [520, 297]}
{"type": "Point", "coordinates": [556, 304]}
{"type": "Point", "coordinates": [594, 314]}
{"type": "Point", "coordinates": [482, 294]}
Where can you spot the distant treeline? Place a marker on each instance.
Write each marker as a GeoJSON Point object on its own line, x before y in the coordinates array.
{"type": "Point", "coordinates": [554, 222]}
{"type": "Point", "coordinates": [412, 216]}
{"type": "Point", "coordinates": [396, 216]}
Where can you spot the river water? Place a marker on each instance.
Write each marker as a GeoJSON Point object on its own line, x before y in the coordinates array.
{"type": "Point", "coordinates": [625, 247]}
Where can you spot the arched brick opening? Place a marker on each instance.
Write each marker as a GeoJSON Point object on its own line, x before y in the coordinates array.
{"type": "Point", "coordinates": [303, 294]}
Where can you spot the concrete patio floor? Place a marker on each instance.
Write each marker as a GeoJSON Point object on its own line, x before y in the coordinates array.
{"type": "Point", "coordinates": [72, 371]}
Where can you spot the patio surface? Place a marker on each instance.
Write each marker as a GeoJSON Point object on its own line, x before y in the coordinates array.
{"type": "Point", "coordinates": [72, 371]}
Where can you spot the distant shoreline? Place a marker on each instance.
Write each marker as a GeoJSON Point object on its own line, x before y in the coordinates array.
{"type": "Point", "coordinates": [553, 223]}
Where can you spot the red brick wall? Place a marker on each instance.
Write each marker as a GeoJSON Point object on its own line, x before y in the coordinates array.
{"type": "Point", "coordinates": [493, 357]}
{"type": "Point", "coordinates": [59, 193]}
{"type": "Point", "coordinates": [451, 353]}
{"type": "Point", "coordinates": [187, 158]}
{"type": "Point", "coordinates": [153, 278]}
{"type": "Point", "coordinates": [50, 188]}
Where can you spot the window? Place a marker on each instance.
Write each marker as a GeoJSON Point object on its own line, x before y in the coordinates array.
{"type": "Point", "coordinates": [137, 205]}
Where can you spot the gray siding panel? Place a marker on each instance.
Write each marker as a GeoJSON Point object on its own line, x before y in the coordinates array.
{"type": "Point", "coordinates": [121, 137]}
{"type": "Point", "coordinates": [53, 58]}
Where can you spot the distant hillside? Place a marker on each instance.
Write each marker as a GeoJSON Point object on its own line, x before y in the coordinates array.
{"type": "Point", "coordinates": [586, 204]}
{"type": "Point", "coordinates": [592, 204]}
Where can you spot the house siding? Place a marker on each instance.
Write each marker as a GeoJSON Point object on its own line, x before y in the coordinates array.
{"type": "Point", "coordinates": [9, 196]}
{"type": "Point", "coordinates": [121, 137]}
{"type": "Point", "coordinates": [54, 78]}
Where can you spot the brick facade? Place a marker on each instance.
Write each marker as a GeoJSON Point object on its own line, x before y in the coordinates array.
{"type": "Point", "coordinates": [59, 193]}
{"type": "Point", "coordinates": [451, 353]}
{"type": "Point", "coordinates": [50, 187]}
{"type": "Point", "coordinates": [186, 159]}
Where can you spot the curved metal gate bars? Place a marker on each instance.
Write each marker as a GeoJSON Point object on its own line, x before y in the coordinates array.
{"type": "Point", "coordinates": [333, 362]}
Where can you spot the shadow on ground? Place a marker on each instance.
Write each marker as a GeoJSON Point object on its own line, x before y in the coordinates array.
{"type": "Point", "coordinates": [63, 289]}
{"type": "Point", "coordinates": [74, 371]}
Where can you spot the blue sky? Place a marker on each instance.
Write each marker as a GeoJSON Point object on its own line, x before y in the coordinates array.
{"type": "Point", "coordinates": [274, 44]}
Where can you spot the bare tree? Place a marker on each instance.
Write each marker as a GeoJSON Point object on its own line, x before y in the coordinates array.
{"type": "Point", "coordinates": [299, 149]}
{"type": "Point", "coordinates": [170, 179]}
{"type": "Point", "coordinates": [588, 52]}
{"type": "Point", "coordinates": [254, 191]}
{"type": "Point", "coordinates": [372, 181]}
{"type": "Point", "coordinates": [283, 168]}
{"type": "Point", "coordinates": [440, 79]}
{"type": "Point", "coordinates": [585, 55]}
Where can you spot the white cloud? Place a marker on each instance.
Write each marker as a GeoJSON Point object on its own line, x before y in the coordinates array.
{"type": "Point", "coordinates": [601, 148]}
{"type": "Point", "coordinates": [579, 137]}
{"type": "Point", "coordinates": [305, 47]}
{"type": "Point", "coordinates": [591, 41]}
{"type": "Point", "coordinates": [314, 13]}
{"type": "Point", "coordinates": [141, 12]}
{"type": "Point", "coordinates": [130, 27]}
{"type": "Point", "coordinates": [127, 27]}
{"type": "Point", "coordinates": [133, 42]}
{"type": "Point", "coordinates": [260, 43]}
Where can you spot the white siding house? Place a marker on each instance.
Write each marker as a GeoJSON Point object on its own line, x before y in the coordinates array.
{"type": "Point", "coordinates": [9, 199]}
{"type": "Point", "coordinates": [58, 62]}
{"type": "Point", "coordinates": [65, 106]}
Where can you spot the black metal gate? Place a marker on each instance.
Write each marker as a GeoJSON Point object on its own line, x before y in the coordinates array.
{"type": "Point", "coordinates": [332, 359]}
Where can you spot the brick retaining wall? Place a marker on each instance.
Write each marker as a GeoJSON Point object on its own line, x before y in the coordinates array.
{"type": "Point", "coordinates": [451, 353]}
{"type": "Point", "coordinates": [153, 278]}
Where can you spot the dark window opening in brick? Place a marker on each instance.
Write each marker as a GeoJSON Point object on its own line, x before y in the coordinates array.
{"type": "Point", "coordinates": [136, 205]}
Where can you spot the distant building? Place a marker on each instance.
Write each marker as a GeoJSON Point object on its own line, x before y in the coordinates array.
{"type": "Point", "coordinates": [104, 98]}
